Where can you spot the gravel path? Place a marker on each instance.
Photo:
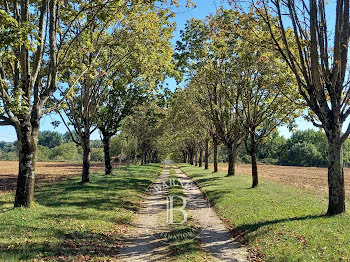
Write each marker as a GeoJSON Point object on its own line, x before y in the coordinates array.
{"type": "Point", "coordinates": [141, 243]}
{"type": "Point", "coordinates": [144, 241]}
{"type": "Point", "coordinates": [215, 238]}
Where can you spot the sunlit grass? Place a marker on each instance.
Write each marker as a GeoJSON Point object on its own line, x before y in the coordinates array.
{"type": "Point", "coordinates": [281, 223]}
{"type": "Point", "coordinates": [74, 221]}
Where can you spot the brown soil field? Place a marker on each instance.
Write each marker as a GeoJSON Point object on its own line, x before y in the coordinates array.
{"type": "Point", "coordinates": [46, 172]}
{"type": "Point", "coordinates": [309, 178]}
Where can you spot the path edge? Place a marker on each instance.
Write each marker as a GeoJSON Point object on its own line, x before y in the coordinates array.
{"type": "Point", "coordinates": [237, 235]}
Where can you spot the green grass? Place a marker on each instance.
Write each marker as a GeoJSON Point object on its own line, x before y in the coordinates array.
{"type": "Point", "coordinates": [183, 242]}
{"type": "Point", "coordinates": [73, 221]}
{"type": "Point", "coordinates": [281, 223]}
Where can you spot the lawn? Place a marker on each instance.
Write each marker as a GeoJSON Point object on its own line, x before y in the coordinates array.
{"type": "Point", "coordinates": [73, 221]}
{"type": "Point", "coordinates": [280, 223]}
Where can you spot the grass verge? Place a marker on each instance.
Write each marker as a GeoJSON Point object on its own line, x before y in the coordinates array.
{"type": "Point", "coordinates": [280, 223]}
{"type": "Point", "coordinates": [183, 243]}
{"type": "Point", "coordinates": [73, 221]}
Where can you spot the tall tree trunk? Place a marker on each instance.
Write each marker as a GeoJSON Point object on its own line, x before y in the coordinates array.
{"type": "Point", "coordinates": [232, 152]}
{"type": "Point", "coordinates": [200, 160]}
{"type": "Point", "coordinates": [184, 156]}
{"type": "Point", "coordinates": [206, 155]}
{"type": "Point", "coordinates": [85, 178]}
{"type": "Point", "coordinates": [148, 157]}
{"type": "Point", "coordinates": [196, 157]}
{"type": "Point", "coordinates": [215, 145]}
{"type": "Point", "coordinates": [27, 144]}
{"type": "Point", "coordinates": [107, 155]}
{"type": "Point", "coordinates": [336, 204]}
{"type": "Point", "coordinates": [135, 157]}
{"type": "Point", "coordinates": [143, 157]}
{"type": "Point", "coordinates": [191, 155]}
{"type": "Point", "coordinates": [253, 158]}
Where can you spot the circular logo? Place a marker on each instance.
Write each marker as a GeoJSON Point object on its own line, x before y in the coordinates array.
{"type": "Point", "coordinates": [176, 204]}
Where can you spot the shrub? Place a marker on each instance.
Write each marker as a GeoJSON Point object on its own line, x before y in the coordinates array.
{"type": "Point", "coordinates": [245, 159]}
{"type": "Point", "coordinates": [67, 151]}
{"type": "Point", "coordinates": [304, 154]}
{"type": "Point", "coordinates": [269, 161]}
{"type": "Point", "coordinates": [43, 153]}
{"type": "Point", "coordinates": [97, 154]}
{"type": "Point", "coordinates": [8, 156]}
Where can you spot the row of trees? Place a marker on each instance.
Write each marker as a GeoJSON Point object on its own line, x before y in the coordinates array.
{"type": "Point", "coordinates": [89, 61]}
{"type": "Point", "coordinates": [250, 71]}
{"type": "Point", "coordinates": [247, 71]}
{"type": "Point", "coordinates": [235, 90]}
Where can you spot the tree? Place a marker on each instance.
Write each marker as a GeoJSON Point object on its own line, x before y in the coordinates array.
{"type": "Point", "coordinates": [49, 139]}
{"type": "Point", "coordinates": [28, 70]}
{"type": "Point", "coordinates": [205, 54]}
{"type": "Point", "coordinates": [304, 154]}
{"type": "Point", "coordinates": [118, 104]}
{"type": "Point", "coordinates": [148, 55]}
{"type": "Point", "coordinates": [320, 69]}
{"type": "Point", "coordinates": [219, 78]}
{"type": "Point", "coordinates": [66, 151]}
{"type": "Point", "coordinates": [187, 125]}
{"type": "Point", "coordinates": [116, 64]}
{"type": "Point", "coordinates": [272, 147]}
{"type": "Point", "coordinates": [85, 93]}
{"type": "Point", "coordinates": [265, 84]}
{"type": "Point", "coordinates": [145, 124]}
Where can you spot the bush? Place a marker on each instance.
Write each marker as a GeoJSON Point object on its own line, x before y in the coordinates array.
{"type": "Point", "coordinates": [43, 153]}
{"type": "Point", "coordinates": [63, 152]}
{"type": "Point", "coordinates": [269, 161]}
{"type": "Point", "coordinates": [245, 159]}
{"type": "Point", "coordinates": [305, 154]}
{"type": "Point", "coordinates": [97, 154]}
{"type": "Point", "coordinates": [12, 156]}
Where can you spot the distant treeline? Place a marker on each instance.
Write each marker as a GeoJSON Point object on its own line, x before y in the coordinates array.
{"type": "Point", "coordinates": [53, 146]}
{"type": "Point", "coordinates": [303, 148]}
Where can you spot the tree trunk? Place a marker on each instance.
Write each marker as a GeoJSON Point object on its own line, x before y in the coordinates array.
{"type": "Point", "coordinates": [206, 155]}
{"type": "Point", "coordinates": [200, 160]}
{"type": "Point", "coordinates": [231, 150]}
{"type": "Point", "coordinates": [196, 157]}
{"type": "Point", "coordinates": [336, 204]}
{"type": "Point", "coordinates": [191, 156]}
{"type": "Point", "coordinates": [143, 157]}
{"type": "Point", "coordinates": [86, 160]}
{"type": "Point", "coordinates": [215, 145]}
{"type": "Point", "coordinates": [148, 157]}
{"type": "Point", "coordinates": [135, 158]}
{"type": "Point", "coordinates": [27, 144]}
{"type": "Point", "coordinates": [184, 156]}
{"type": "Point", "coordinates": [253, 158]}
{"type": "Point", "coordinates": [107, 155]}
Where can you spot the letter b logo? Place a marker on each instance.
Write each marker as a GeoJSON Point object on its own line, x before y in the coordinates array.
{"type": "Point", "coordinates": [170, 209]}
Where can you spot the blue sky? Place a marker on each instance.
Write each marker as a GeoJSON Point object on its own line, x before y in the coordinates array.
{"type": "Point", "coordinates": [204, 7]}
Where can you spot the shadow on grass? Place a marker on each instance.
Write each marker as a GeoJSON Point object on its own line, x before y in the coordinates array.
{"type": "Point", "coordinates": [74, 246]}
{"type": "Point", "coordinates": [256, 226]}
{"type": "Point", "coordinates": [107, 193]}
{"type": "Point", "coordinates": [74, 221]}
